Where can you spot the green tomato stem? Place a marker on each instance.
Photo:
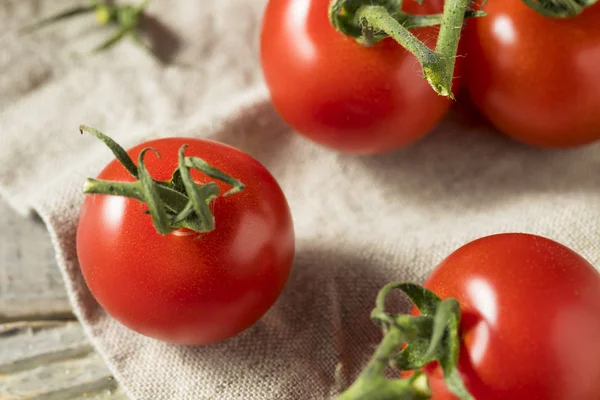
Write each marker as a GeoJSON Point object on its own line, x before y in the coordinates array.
{"type": "Point", "coordinates": [431, 336]}
{"type": "Point", "coordinates": [378, 18]}
{"type": "Point", "coordinates": [123, 189]}
{"type": "Point", "coordinates": [372, 21]}
{"type": "Point", "coordinates": [126, 19]}
{"type": "Point", "coordinates": [174, 204]}
{"type": "Point", "coordinates": [372, 383]}
{"type": "Point", "coordinates": [446, 46]}
{"type": "Point", "coordinates": [438, 64]}
{"type": "Point", "coordinates": [57, 18]}
{"type": "Point", "coordinates": [410, 21]}
{"type": "Point", "coordinates": [559, 8]}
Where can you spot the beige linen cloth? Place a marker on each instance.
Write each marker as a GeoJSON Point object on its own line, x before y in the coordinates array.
{"type": "Point", "coordinates": [360, 221]}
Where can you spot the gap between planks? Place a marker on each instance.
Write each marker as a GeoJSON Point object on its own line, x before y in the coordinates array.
{"type": "Point", "coordinates": [47, 360]}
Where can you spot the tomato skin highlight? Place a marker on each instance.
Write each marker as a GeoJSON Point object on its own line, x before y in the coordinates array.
{"type": "Point", "coordinates": [343, 95]}
{"type": "Point", "coordinates": [185, 287]}
{"type": "Point", "coordinates": [531, 319]}
{"type": "Point", "coordinates": [536, 78]}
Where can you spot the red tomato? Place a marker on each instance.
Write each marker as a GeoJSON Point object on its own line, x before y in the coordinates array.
{"type": "Point", "coordinates": [339, 93]}
{"type": "Point", "coordinates": [534, 77]}
{"type": "Point", "coordinates": [531, 319]}
{"type": "Point", "coordinates": [186, 287]}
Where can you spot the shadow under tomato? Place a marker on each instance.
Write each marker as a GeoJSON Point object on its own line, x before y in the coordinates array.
{"type": "Point", "coordinates": [467, 165]}
{"type": "Point", "coordinates": [321, 319]}
{"type": "Point", "coordinates": [463, 111]}
{"type": "Point", "coordinates": [259, 131]}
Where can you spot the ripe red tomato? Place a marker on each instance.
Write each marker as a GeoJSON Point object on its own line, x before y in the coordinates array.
{"type": "Point", "coordinates": [186, 287]}
{"type": "Point", "coordinates": [531, 319]}
{"type": "Point", "coordinates": [536, 78]}
{"type": "Point", "coordinates": [339, 93]}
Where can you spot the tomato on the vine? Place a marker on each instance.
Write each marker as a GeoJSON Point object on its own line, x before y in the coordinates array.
{"type": "Point", "coordinates": [341, 94]}
{"type": "Point", "coordinates": [188, 287]}
{"type": "Point", "coordinates": [530, 319]}
{"type": "Point", "coordinates": [535, 77]}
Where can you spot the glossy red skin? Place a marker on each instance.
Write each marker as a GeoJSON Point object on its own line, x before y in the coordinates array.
{"type": "Point", "coordinates": [541, 87]}
{"type": "Point", "coordinates": [543, 342]}
{"type": "Point", "coordinates": [193, 289]}
{"type": "Point", "coordinates": [340, 94]}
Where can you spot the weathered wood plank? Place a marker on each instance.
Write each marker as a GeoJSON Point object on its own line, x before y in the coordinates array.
{"type": "Point", "coordinates": [109, 394]}
{"type": "Point", "coordinates": [61, 380]}
{"type": "Point", "coordinates": [31, 287]}
{"type": "Point", "coordinates": [30, 345]}
{"type": "Point", "coordinates": [46, 360]}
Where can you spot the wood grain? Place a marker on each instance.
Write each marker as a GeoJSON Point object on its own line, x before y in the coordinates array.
{"type": "Point", "coordinates": [43, 355]}
{"type": "Point", "coordinates": [31, 287]}
{"type": "Point", "coordinates": [51, 360]}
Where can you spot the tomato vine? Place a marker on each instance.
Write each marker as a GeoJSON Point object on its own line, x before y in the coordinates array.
{"type": "Point", "coordinates": [125, 17]}
{"type": "Point", "coordinates": [372, 21]}
{"type": "Point", "coordinates": [431, 336]}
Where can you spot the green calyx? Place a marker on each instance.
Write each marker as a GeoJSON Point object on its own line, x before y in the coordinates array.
{"type": "Point", "coordinates": [374, 20]}
{"type": "Point", "coordinates": [125, 18]}
{"type": "Point", "coordinates": [431, 336]}
{"type": "Point", "coordinates": [174, 204]}
{"type": "Point", "coordinates": [559, 8]}
{"type": "Point", "coordinates": [348, 17]}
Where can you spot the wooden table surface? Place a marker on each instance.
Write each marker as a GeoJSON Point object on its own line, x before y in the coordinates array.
{"type": "Point", "coordinates": [44, 353]}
